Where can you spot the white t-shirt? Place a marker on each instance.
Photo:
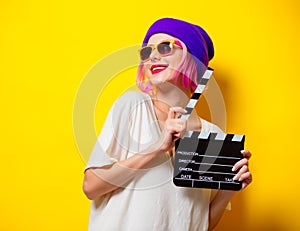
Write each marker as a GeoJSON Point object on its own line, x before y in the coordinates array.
{"type": "Point", "coordinates": [150, 201]}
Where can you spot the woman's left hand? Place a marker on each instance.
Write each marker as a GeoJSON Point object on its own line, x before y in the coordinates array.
{"type": "Point", "coordinates": [244, 173]}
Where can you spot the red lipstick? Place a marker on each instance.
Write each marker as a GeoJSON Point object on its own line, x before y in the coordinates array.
{"type": "Point", "coordinates": [156, 68]}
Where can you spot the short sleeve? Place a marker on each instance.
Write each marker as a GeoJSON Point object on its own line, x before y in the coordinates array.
{"type": "Point", "coordinates": [123, 133]}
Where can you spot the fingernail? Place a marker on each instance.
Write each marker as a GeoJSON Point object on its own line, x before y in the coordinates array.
{"type": "Point", "coordinates": [185, 111]}
{"type": "Point", "coordinates": [233, 168]}
{"type": "Point", "coordinates": [235, 177]}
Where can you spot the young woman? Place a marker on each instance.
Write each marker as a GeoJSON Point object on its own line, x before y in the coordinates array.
{"type": "Point", "coordinates": [129, 174]}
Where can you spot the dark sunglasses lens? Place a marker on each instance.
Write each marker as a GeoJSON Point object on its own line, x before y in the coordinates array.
{"type": "Point", "coordinates": [145, 53]}
{"type": "Point", "coordinates": [164, 48]}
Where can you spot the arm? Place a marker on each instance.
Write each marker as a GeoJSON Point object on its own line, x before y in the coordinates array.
{"type": "Point", "coordinates": [217, 207]}
{"type": "Point", "coordinates": [221, 198]}
{"type": "Point", "coordinates": [100, 181]}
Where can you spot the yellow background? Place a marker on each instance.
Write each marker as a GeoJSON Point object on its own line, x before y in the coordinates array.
{"type": "Point", "coordinates": [46, 49]}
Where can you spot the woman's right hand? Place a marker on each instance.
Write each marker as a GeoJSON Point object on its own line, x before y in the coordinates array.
{"type": "Point", "coordinates": [173, 129]}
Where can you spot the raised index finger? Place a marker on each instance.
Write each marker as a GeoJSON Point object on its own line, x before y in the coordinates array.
{"type": "Point", "coordinates": [171, 113]}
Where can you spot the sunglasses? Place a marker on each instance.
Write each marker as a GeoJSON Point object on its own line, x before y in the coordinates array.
{"type": "Point", "coordinates": [164, 48]}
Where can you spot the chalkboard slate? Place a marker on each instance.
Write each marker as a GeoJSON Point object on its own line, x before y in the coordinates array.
{"type": "Point", "coordinates": [205, 160]}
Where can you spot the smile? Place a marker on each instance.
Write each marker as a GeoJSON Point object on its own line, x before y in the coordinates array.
{"type": "Point", "coordinates": [158, 68]}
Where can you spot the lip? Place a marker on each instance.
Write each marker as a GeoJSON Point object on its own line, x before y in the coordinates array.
{"type": "Point", "coordinates": [157, 68]}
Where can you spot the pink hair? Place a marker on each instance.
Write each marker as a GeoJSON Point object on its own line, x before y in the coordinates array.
{"type": "Point", "coordinates": [187, 69]}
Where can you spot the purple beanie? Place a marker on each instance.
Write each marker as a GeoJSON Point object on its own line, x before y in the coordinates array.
{"type": "Point", "coordinates": [194, 37]}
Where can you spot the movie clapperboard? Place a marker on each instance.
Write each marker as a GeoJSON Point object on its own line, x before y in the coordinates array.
{"type": "Point", "coordinates": [205, 160]}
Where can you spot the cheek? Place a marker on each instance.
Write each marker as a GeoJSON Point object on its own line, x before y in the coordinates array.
{"type": "Point", "coordinates": [175, 60]}
{"type": "Point", "coordinates": [147, 71]}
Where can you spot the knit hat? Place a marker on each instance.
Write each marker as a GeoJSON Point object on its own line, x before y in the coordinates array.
{"type": "Point", "coordinates": [197, 41]}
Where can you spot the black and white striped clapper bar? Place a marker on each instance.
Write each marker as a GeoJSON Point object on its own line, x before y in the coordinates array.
{"type": "Point", "coordinates": [205, 160]}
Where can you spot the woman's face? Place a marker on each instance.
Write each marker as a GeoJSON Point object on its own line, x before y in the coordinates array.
{"type": "Point", "coordinates": [160, 69]}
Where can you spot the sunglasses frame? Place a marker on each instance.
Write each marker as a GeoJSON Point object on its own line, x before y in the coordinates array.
{"type": "Point", "coordinates": [154, 47]}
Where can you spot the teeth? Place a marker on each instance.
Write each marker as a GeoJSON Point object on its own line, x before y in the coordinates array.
{"type": "Point", "coordinates": [158, 68]}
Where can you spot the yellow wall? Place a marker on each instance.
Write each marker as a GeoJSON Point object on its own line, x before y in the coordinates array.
{"type": "Point", "coordinates": [46, 49]}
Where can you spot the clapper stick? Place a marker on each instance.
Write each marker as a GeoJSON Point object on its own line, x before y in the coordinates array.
{"type": "Point", "coordinates": [203, 159]}
{"type": "Point", "coordinates": [199, 90]}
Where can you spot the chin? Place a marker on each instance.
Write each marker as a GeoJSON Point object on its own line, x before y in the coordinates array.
{"type": "Point", "coordinates": [157, 81]}
{"type": "Point", "coordinates": [161, 78]}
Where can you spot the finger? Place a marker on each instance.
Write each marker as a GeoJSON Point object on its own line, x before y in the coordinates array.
{"type": "Point", "coordinates": [182, 123]}
{"type": "Point", "coordinates": [240, 163]}
{"type": "Point", "coordinates": [171, 113]}
{"type": "Point", "coordinates": [177, 125]}
{"type": "Point", "coordinates": [179, 111]}
{"type": "Point", "coordinates": [247, 181]}
{"type": "Point", "coordinates": [244, 176]}
{"type": "Point", "coordinates": [246, 154]}
{"type": "Point", "coordinates": [243, 170]}
{"type": "Point", "coordinates": [175, 130]}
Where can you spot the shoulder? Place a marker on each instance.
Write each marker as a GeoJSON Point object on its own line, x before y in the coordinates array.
{"type": "Point", "coordinates": [131, 101]}
{"type": "Point", "coordinates": [132, 97]}
{"type": "Point", "coordinates": [210, 127]}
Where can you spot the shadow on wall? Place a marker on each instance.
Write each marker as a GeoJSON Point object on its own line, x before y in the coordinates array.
{"type": "Point", "coordinates": [238, 218]}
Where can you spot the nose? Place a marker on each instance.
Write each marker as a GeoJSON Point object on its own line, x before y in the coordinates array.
{"type": "Point", "coordinates": [154, 56]}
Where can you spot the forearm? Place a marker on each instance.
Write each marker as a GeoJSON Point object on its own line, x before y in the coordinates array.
{"type": "Point", "coordinates": [100, 181]}
{"type": "Point", "coordinates": [217, 207]}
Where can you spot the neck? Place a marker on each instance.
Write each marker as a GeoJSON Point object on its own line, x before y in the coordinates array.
{"type": "Point", "coordinates": [169, 95]}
